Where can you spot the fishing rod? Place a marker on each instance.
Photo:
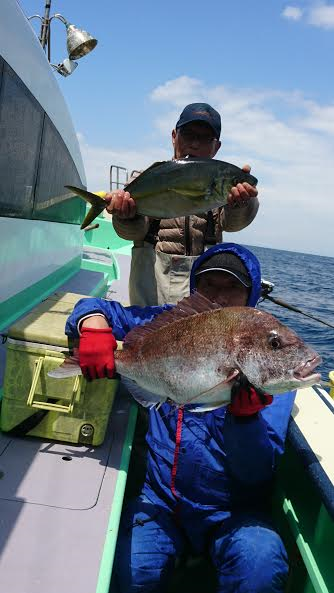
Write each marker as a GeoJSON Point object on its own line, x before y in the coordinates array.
{"type": "Point", "coordinates": [267, 287]}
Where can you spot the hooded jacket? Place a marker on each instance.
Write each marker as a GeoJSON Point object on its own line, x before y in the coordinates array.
{"type": "Point", "coordinates": [123, 319]}
{"type": "Point", "coordinates": [211, 464]}
{"type": "Point", "coordinates": [249, 260]}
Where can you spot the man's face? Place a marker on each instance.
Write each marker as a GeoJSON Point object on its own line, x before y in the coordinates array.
{"type": "Point", "coordinates": [222, 288]}
{"type": "Point", "coordinates": [195, 139]}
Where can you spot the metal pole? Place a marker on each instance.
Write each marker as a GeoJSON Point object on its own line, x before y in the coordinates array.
{"type": "Point", "coordinates": [45, 25]}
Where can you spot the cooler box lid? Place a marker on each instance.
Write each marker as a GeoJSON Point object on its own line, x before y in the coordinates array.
{"type": "Point", "coordinates": [45, 324]}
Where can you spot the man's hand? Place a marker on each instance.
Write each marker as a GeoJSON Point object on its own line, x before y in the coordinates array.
{"type": "Point", "coordinates": [96, 351]}
{"type": "Point", "coordinates": [120, 203]}
{"type": "Point", "coordinates": [247, 401]}
{"type": "Point", "coordinates": [242, 193]}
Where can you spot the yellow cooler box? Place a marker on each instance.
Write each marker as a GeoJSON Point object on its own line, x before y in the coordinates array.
{"type": "Point", "coordinates": [35, 404]}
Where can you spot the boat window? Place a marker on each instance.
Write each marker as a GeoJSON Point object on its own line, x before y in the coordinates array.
{"type": "Point", "coordinates": [21, 119]}
{"type": "Point", "coordinates": [56, 169]}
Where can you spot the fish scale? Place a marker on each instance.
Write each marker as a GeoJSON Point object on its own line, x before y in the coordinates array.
{"type": "Point", "coordinates": [171, 189]}
{"type": "Point", "coordinates": [196, 351]}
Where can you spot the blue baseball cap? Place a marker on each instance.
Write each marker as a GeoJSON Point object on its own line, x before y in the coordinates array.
{"type": "Point", "coordinates": [201, 112]}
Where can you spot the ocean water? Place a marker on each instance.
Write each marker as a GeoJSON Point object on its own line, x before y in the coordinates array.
{"type": "Point", "coordinates": [307, 282]}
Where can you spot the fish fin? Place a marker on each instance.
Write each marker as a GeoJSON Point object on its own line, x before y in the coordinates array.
{"type": "Point", "coordinates": [209, 408]}
{"type": "Point", "coordinates": [93, 199]}
{"type": "Point", "coordinates": [133, 181]}
{"type": "Point", "coordinates": [145, 398]}
{"type": "Point", "coordinates": [69, 368]}
{"type": "Point", "coordinates": [216, 388]}
{"type": "Point", "coordinates": [192, 305]}
{"type": "Point", "coordinates": [98, 204]}
{"type": "Point", "coordinates": [153, 166]}
{"type": "Point", "coordinates": [91, 215]}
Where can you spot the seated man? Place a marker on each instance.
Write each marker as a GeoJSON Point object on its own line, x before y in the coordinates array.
{"type": "Point", "coordinates": [209, 475]}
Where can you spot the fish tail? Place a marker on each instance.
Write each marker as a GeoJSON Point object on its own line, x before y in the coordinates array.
{"type": "Point", "coordinates": [69, 368]}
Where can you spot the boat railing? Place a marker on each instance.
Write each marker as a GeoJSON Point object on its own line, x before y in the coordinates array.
{"type": "Point", "coordinates": [118, 177]}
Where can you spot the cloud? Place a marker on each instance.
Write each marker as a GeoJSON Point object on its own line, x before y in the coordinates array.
{"type": "Point", "coordinates": [320, 119]}
{"type": "Point", "coordinates": [98, 159]}
{"type": "Point", "coordinates": [288, 140]}
{"type": "Point", "coordinates": [269, 125]}
{"type": "Point", "coordinates": [318, 14]}
{"type": "Point", "coordinates": [179, 92]}
{"type": "Point", "coordinates": [292, 13]}
{"type": "Point", "coordinates": [322, 16]}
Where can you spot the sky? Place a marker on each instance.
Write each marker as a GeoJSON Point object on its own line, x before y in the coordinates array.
{"type": "Point", "coordinates": [265, 65]}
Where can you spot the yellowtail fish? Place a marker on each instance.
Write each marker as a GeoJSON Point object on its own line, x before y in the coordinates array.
{"type": "Point", "coordinates": [170, 189]}
{"type": "Point", "coordinates": [194, 354]}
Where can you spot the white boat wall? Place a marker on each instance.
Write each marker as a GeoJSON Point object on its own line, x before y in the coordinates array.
{"type": "Point", "coordinates": [59, 502]}
{"type": "Point", "coordinates": [39, 153]}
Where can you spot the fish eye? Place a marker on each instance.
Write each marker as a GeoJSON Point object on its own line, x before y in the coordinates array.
{"type": "Point", "coordinates": [275, 342]}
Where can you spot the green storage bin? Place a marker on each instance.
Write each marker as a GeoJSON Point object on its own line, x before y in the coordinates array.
{"type": "Point", "coordinates": [34, 404]}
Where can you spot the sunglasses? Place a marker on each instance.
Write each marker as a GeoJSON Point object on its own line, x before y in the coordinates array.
{"type": "Point", "coordinates": [191, 136]}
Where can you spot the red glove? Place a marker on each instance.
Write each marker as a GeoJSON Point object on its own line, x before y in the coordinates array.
{"type": "Point", "coordinates": [96, 353]}
{"type": "Point", "coordinates": [247, 401]}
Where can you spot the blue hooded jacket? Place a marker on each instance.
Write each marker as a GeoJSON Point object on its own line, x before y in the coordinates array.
{"type": "Point", "coordinates": [248, 259]}
{"type": "Point", "coordinates": [221, 463]}
{"type": "Point", "coordinates": [123, 319]}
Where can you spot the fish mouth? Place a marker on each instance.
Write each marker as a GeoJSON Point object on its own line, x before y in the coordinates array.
{"type": "Point", "coordinates": [304, 372]}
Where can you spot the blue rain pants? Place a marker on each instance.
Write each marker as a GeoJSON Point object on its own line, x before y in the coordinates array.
{"type": "Point", "coordinates": [246, 551]}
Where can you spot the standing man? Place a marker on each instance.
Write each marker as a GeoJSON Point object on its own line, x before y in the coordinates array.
{"type": "Point", "coordinates": [164, 250]}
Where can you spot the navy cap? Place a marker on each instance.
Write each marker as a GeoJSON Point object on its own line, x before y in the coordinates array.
{"type": "Point", "coordinates": [201, 112]}
{"type": "Point", "coordinates": [226, 262]}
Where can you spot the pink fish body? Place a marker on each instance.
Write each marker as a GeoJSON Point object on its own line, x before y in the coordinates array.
{"type": "Point", "coordinates": [194, 353]}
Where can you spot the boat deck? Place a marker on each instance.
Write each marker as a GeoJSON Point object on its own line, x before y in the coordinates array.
{"type": "Point", "coordinates": [60, 503]}
{"type": "Point", "coordinates": [55, 506]}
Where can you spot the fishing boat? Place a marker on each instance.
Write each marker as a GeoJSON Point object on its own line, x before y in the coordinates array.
{"type": "Point", "coordinates": [60, 502]}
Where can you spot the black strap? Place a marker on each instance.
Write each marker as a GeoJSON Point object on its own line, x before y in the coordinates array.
{"type": "Point", "coordinates": [241, 382]}
{"type": "Point", "coordinates": [22, 429]}
{"type": "Point", "coordinates": [210, 235]}
{"type": "Point", "coordinates": [152, 233]}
